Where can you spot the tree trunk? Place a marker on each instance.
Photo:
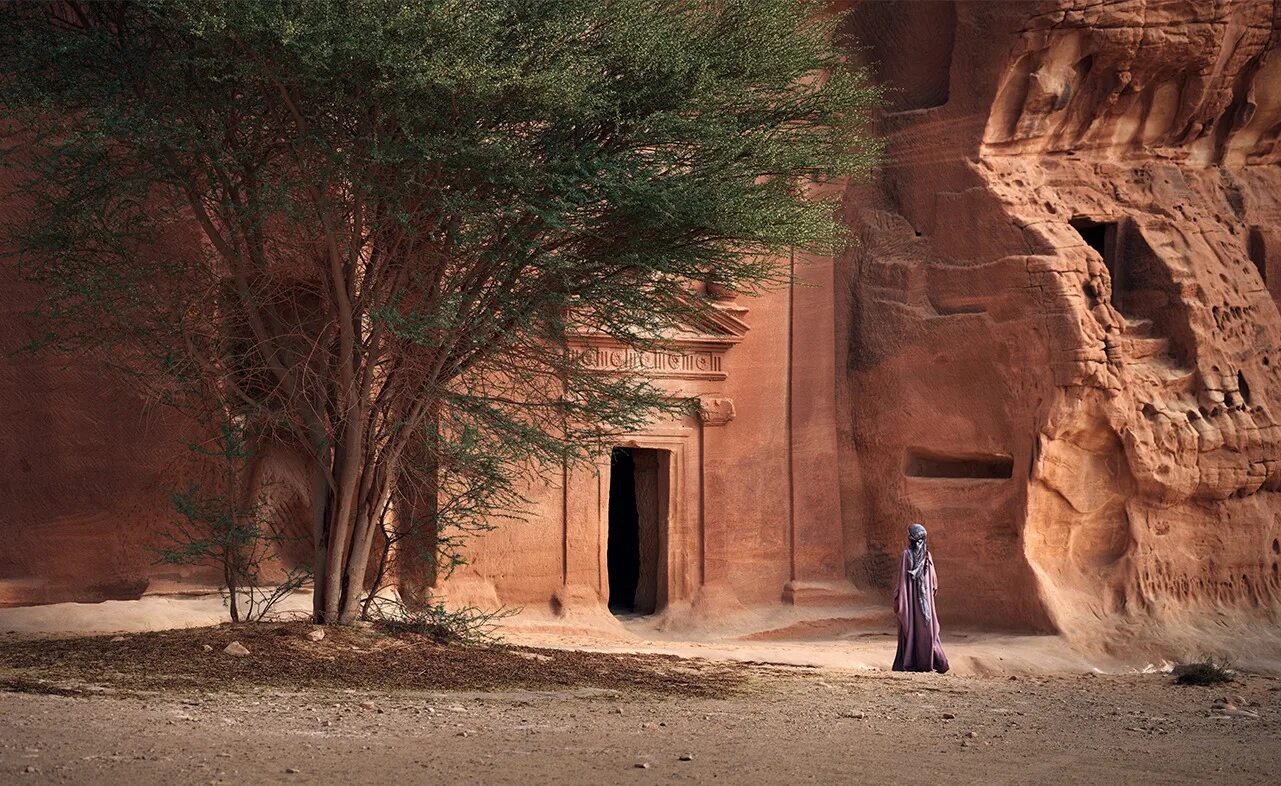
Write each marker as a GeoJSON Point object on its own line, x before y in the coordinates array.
{"type": "Point", "coordinates": [339, 522]}
{"type": "Point", "coordinates": [229, 578]}
{"type": "Point", "coordinates": [367, 514]}
{"type": "Point", "coordinates": [321, 504]}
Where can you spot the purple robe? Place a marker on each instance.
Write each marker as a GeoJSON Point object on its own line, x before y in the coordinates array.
{"type": "Point", "coordinates": [919, 648]}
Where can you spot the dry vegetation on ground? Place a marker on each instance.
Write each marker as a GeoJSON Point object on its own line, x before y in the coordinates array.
{"type": "Point", "coordinates": [373, 658]}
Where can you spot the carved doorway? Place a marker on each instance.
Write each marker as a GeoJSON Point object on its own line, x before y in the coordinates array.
{"type": "Point", "coordinates": [638, 504]}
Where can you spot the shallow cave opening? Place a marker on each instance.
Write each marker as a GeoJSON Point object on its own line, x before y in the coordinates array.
{"type": "Point", "coordinates": [1102, 237]}
{"type": "Point", "coordinates": [1143, 286]}
{"type": "Point", "coordinates": [932, 465]}
{"type": "Point", "coordinates": [637, 498]}
{"type": "Point", "coordinates": [1256, 249]}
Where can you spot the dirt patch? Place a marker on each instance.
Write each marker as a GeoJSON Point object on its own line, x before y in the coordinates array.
{"type": "Point", "coordinates": [38, 687]}
{"type": "Point", "coordinates": [375, 707]}
{"type": "Point", "coordinates": [810, 725]}
{"type": "Point", "coordinates": [281, 655]}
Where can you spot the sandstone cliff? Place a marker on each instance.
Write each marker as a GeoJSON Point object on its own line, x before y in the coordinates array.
{"type": "Point", "coordinates": [1058, 346]}
{"type": "Point", "coordinates": [1062, 341]}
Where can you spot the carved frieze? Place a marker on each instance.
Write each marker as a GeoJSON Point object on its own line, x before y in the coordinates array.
{"type": "Point", "coordinates": [674, 363]}
{"type": "Point", "coordinates": [695, 351]}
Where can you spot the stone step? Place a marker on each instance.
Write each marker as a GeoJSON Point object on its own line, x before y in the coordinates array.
{"type": "Point", "coordinates": [1139, 328]}
{"type": "Point", "coordinates": [1142, 348]}
{"type": "Point", "coordinates": [1177, 380]}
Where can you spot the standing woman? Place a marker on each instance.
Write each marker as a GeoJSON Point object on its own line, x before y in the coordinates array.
{"type": "Point", "coordinates": [919, 648]}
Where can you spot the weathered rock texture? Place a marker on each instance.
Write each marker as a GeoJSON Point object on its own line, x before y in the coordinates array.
{"type": "Point", "coordinates": [1061, 351]}
{"type": "Point", "coordinates": [1057, 345]}
{"type": "Point", "coordinates": [85, 466]}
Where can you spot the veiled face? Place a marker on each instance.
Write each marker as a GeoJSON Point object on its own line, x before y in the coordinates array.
{"type": "Point", "coordinates": [916, 534]}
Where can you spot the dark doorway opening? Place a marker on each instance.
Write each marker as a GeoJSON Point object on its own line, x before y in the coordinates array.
{"type": "Point", "coordinates": [637, 508]}
{"type": "Point", "coordinates": [1257, 249]}
{"type": "Point", "coordinates": [1243, 388]}
{"type": "Point", "coordinates": [1102, 236]}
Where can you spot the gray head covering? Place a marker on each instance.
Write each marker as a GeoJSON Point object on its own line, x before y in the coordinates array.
{"type": "Point", "coordinates": [918, 565]}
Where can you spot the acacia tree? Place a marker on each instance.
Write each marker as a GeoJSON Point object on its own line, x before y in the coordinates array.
{"type": "Point", "coordinates": [369, 226]}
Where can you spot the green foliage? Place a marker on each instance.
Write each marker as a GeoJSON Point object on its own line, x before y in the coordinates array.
{"type": "Point", "coordinates": [467, 625]}
{"type": "Point", "coordinates": [217, 526]}
{"type": "Point", "coordinates": [368, 228]}
{"type": "Point", "coordinates": [1207, 671]}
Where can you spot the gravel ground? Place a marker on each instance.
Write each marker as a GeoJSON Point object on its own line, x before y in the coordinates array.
{"type": "Point", "coordinates": [778, 725]}
{"type": "Point", "coordinates": [284, 655]}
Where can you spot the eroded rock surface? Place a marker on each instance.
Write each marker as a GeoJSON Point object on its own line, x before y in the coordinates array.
{"type": "Point", "coordinates": [1073, 265]}
{"type": "Point", "coordinates": [1057, 344]}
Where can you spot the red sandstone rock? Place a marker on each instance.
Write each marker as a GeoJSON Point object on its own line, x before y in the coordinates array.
{"type": "Point", "coordinates": [1114, 407]}
{"type": "Point", "coordinates": [84, 468]}
{"type": "Point", "coordinates": [1057, 344]}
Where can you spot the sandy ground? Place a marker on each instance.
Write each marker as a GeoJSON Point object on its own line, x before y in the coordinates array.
{"type": "Point", "coordinates": [970, 654]}
{"type": "Point", "coordinates": [860, 637]}
{"type": "Point", "coordinates": [819, 706]}
{"type": "Point", "coordinates": [792, 726]}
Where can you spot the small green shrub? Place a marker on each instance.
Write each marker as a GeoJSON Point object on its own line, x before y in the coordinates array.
{"type": "Point", "coordinates": [466, 625]}
{"type": "Point", "coordinates": [1205, 672]}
